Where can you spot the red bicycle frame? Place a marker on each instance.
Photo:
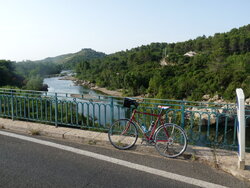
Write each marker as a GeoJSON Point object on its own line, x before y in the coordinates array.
{"type": "Point", "coordinates": [132, 118]}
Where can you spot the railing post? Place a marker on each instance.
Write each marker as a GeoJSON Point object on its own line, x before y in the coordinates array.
{"type": "Point", "coordinates": [12, 106]}
{"type": "Point", "coordinates": [111, 110]}
{"type": "Point", "coordinates": [56, 110]}
{"type": "Point", "coordinates": [241, 128]}
{"type": "Point", "coordinates": [182, 114]}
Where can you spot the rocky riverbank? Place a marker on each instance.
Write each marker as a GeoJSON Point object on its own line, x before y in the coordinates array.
{"type": "Point", "coordinates": [118, 93]}
{"type": "Point", "coordinates": [92, 86]}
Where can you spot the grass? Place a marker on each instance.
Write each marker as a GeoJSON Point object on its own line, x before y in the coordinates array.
{"type": "Point", "coordinates": [216, 165]}
{"type": "Point", "coordinates": [119, 143]}
{"type": "Point", "coordinates": [34, 132]}
{"type": "Point", "coordinates": [92, 142]}
{"type": "Point", "coordinates": [194, 157]}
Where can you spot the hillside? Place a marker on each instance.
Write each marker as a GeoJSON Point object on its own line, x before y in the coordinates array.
{"type": "Point", "coordinates": [30, 74]}
{"type": "Point", "coordinates": [217, 65]}
{"type": "Point", "coordinates": [68, 61]}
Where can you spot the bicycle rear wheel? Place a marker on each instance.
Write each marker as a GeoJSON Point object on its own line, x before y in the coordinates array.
{"type": "Point", "coordinates": [123, 134]}
{"type": "Point", "coordinates": [170, 140]}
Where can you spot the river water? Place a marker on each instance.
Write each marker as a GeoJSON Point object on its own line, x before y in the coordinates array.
{"type": "Point", "coordinates": [61, 86]}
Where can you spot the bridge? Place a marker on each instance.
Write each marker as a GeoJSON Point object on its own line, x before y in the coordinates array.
{"type": "Point", "coordinates": [206, 124]}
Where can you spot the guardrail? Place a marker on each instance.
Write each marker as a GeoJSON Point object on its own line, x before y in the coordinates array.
{"type": "Point", "coordinates": [211, 124]}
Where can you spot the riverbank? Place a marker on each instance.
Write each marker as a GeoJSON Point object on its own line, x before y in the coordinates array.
{"type": "Point", "coordinates": [92, 86]}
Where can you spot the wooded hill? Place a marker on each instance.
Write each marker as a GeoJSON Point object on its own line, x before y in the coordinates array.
{"type": "Point", "coordinates": [30, 74]}
{"type": "Point", "coordinates": [215, 65]}
{"type": "Point", "coordinates": [69, 61]}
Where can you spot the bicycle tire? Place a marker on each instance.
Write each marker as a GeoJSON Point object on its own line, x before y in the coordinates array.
{"type": "Point", "coordinates": [121, 138]}
{"type": "Point", "coordinates": [170, 140]}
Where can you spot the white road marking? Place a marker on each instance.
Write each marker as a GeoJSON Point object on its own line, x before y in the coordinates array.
{"type": "Point", "coordinates": [135, 166]}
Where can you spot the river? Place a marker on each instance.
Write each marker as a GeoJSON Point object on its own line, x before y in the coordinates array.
{"type": "Point", "coordinates": [61, 86]}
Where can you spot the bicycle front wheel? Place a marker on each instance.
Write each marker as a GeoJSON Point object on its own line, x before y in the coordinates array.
{"type": "Point", "coordinates": [170, 140]}
{"type": "Point", "coordinates": [123, 134]}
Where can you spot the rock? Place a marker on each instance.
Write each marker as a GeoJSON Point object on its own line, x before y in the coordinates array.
{"type": "Point", "coordinates": [206, 97]}
{"type": "Point", "coordinates": [207, 114]}
{"type": "Point", "coordinates": [247, 101]}
{"type": "Point", "coordinates": [215, 98]}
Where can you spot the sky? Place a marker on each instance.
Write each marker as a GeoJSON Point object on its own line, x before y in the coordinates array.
{"type": "Point", "coordinates": [36, 29]}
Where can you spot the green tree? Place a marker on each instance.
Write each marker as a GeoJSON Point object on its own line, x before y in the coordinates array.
{"type": "Point", "coordinates": [35, 83]}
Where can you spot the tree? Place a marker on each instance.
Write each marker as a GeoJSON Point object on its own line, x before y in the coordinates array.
{"type": "Point", "coordinates": [8, 75]}
{"type": "Point", "coordinates": [35, 83]}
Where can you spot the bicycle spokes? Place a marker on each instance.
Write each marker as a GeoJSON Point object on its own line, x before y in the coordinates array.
{"type": "Point", "coordinates": [123, 134]}
{"type": "Point", "coordinates": [170, 140]}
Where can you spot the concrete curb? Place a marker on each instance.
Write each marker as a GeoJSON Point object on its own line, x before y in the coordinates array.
{"type": "Point", "coordinates": [221, 159]}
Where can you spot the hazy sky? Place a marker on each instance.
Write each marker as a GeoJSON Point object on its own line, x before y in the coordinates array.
{"type": "Point", "coordinates": [36, 29]}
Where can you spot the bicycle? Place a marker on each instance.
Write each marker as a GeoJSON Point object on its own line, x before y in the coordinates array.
{"type": "Point", "coordinates": [169, 139]}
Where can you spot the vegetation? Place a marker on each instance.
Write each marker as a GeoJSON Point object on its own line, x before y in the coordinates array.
{"type": "Point", "coordinates": [69, 61]}
{"type": "Point", "coordinates": [34, 72]}
{"type": "Point", "coordinates": [30, 74]}
{"type": "Point", "coordinates": [8, 76]}
{"type": "Point", "coordinates": [25, 75]}
{"type": "Point", "coordinates": [216, 65]}
{"type": "Point", "coordinates": [220, 64]}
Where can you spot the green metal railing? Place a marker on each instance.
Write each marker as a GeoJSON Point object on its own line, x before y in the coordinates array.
{"type": "Point", "coordinates": [211, 124]}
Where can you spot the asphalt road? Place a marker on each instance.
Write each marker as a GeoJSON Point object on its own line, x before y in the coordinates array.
{"type": "Point", "coordinates": [28, 164]}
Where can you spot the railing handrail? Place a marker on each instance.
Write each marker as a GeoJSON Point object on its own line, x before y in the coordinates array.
{"type": "Point", "coordinates": [68, 95]}
{"type": "Point", "coordinates": [60, 108]}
